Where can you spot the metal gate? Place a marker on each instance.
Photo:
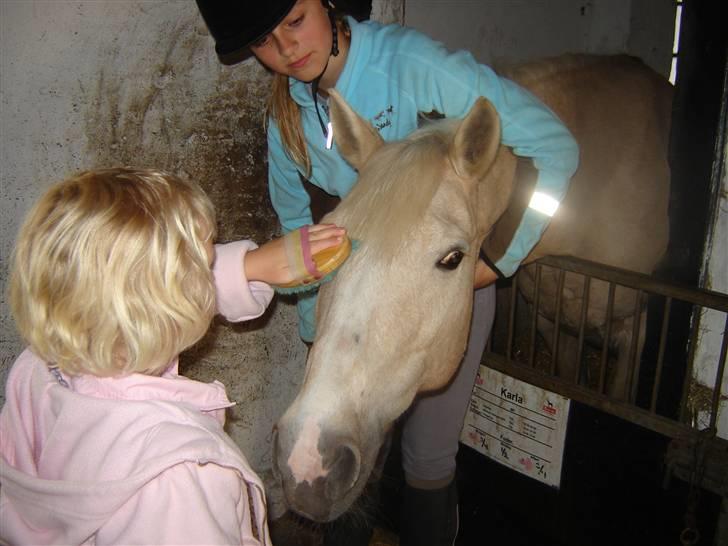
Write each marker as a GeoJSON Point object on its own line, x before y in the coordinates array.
{"type": "Point", "coordinates": [695, 454]}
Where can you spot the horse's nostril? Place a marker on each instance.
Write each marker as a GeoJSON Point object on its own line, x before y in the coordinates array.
{"type": "Point", "coordinates": [343, 472]}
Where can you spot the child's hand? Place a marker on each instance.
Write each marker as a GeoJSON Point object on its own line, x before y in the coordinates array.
{"type": "Point", "coordinates": [269, 263]}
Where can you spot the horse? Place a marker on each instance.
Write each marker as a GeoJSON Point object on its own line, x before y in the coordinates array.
{"type": "Point", "coordinates": [393, 322]}
{"type": "Point", "coordinates": [616, 211]}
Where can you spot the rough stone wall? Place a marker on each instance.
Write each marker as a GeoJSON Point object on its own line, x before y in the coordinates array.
{"type": "Point", "coordinates": [108, 83]}
{"type": "Point", "coordinates": [137, 83]}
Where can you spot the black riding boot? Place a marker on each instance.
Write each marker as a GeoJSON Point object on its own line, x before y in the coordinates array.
{"type": "Point", "coordinates": [429, 516]}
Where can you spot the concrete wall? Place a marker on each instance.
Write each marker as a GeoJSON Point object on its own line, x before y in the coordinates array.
{"type": "Point", "coordinates": [108, 83]}
{"type": "Point", "coordinates": [88, 84]}
{"type": "Point", "coordinates": [498, 31]}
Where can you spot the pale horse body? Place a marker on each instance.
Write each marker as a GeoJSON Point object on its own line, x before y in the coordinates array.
{"type": "Point", "coordinates": [394, 321]}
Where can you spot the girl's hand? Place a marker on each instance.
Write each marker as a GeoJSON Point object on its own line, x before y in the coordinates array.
{"type": "Point", "coordinates": [484, 275]}
{"type": "Point", "coordinates": [269, 263]}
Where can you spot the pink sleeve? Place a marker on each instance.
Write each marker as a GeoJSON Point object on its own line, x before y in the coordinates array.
{"type": "Point", "coordinates": [238, 299]}
{"type": "Point", "coordinates": [189, 504]}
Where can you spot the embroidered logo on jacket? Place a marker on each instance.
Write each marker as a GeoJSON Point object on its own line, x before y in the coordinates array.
{"type": "Point", "coordinates": [384, 118]}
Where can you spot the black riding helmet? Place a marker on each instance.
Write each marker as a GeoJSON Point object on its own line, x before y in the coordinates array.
{"type": "Point", "coordinates": [235, 25]}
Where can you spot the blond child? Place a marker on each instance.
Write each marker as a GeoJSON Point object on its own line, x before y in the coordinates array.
{"type": "Point", "coordinates": [101, 440]}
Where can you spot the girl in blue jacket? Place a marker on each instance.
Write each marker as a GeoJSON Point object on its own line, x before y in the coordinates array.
{"type": "Point", "coordinates": [389, 75]}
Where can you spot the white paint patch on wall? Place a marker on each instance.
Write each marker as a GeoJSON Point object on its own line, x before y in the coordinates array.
{"type": "Point", "coordinates": [712, 324]}
{"type": "Point", "coordinates": [507, 31]}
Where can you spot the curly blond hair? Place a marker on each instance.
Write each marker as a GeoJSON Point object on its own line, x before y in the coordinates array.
{"type": "Point", "coordinates": [110, 272]}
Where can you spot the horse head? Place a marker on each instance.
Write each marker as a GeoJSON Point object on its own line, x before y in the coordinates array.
{"type": "Point", "coordinates": [394, 321]}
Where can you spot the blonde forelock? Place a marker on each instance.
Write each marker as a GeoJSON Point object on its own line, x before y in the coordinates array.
{"type": "Point", "coordinates": [395, 189]}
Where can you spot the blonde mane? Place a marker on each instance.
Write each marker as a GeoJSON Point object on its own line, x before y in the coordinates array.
{"type": "Point", "coordinates": [396, 188]}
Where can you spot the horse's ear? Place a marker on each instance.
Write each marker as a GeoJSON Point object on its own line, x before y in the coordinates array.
{"type": "Point", "coordinates": [476, 141]}
{"type": "Point", "coordinates": [356, 139]}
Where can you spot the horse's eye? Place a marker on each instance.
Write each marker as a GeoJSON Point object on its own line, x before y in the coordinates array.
{"type": "Point", "coordinates": [451, 260]}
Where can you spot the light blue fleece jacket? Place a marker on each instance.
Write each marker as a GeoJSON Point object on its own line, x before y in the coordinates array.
{"type": "Point", "coordinates": [391, 75]}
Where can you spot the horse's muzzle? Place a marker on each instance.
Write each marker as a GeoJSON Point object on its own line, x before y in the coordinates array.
{"type": "Point", "coordinates": [320, 483]}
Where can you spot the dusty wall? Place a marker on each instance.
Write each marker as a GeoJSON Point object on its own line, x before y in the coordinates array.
{"type": "Point", "coordinates": [104, 83]}
{"type": "Point", "coordinates": [88, 84]}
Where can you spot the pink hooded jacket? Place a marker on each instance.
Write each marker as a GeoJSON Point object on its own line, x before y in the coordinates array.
{"type": "Point", "coordinates": [132, 460]}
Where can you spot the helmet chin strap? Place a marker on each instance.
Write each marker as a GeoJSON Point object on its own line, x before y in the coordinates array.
{"type": "Point", "coordinates": [334, 32]}
{"type": "Point", "coordinates": [315, 82]}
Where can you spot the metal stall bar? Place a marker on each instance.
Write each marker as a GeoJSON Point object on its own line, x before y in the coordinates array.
{"type": "Point", "coordinates": [660, 354]}
{"type": "Point", "coordinates": [634, 357]}
{"type": "Point", "coordinates": [642, 284]}
{"type": "Point", "coordinates": [698, 296]}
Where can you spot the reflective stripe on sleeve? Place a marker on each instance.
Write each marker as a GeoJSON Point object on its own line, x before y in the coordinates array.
{"type": "Point", "coordinates": [543, 203]}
